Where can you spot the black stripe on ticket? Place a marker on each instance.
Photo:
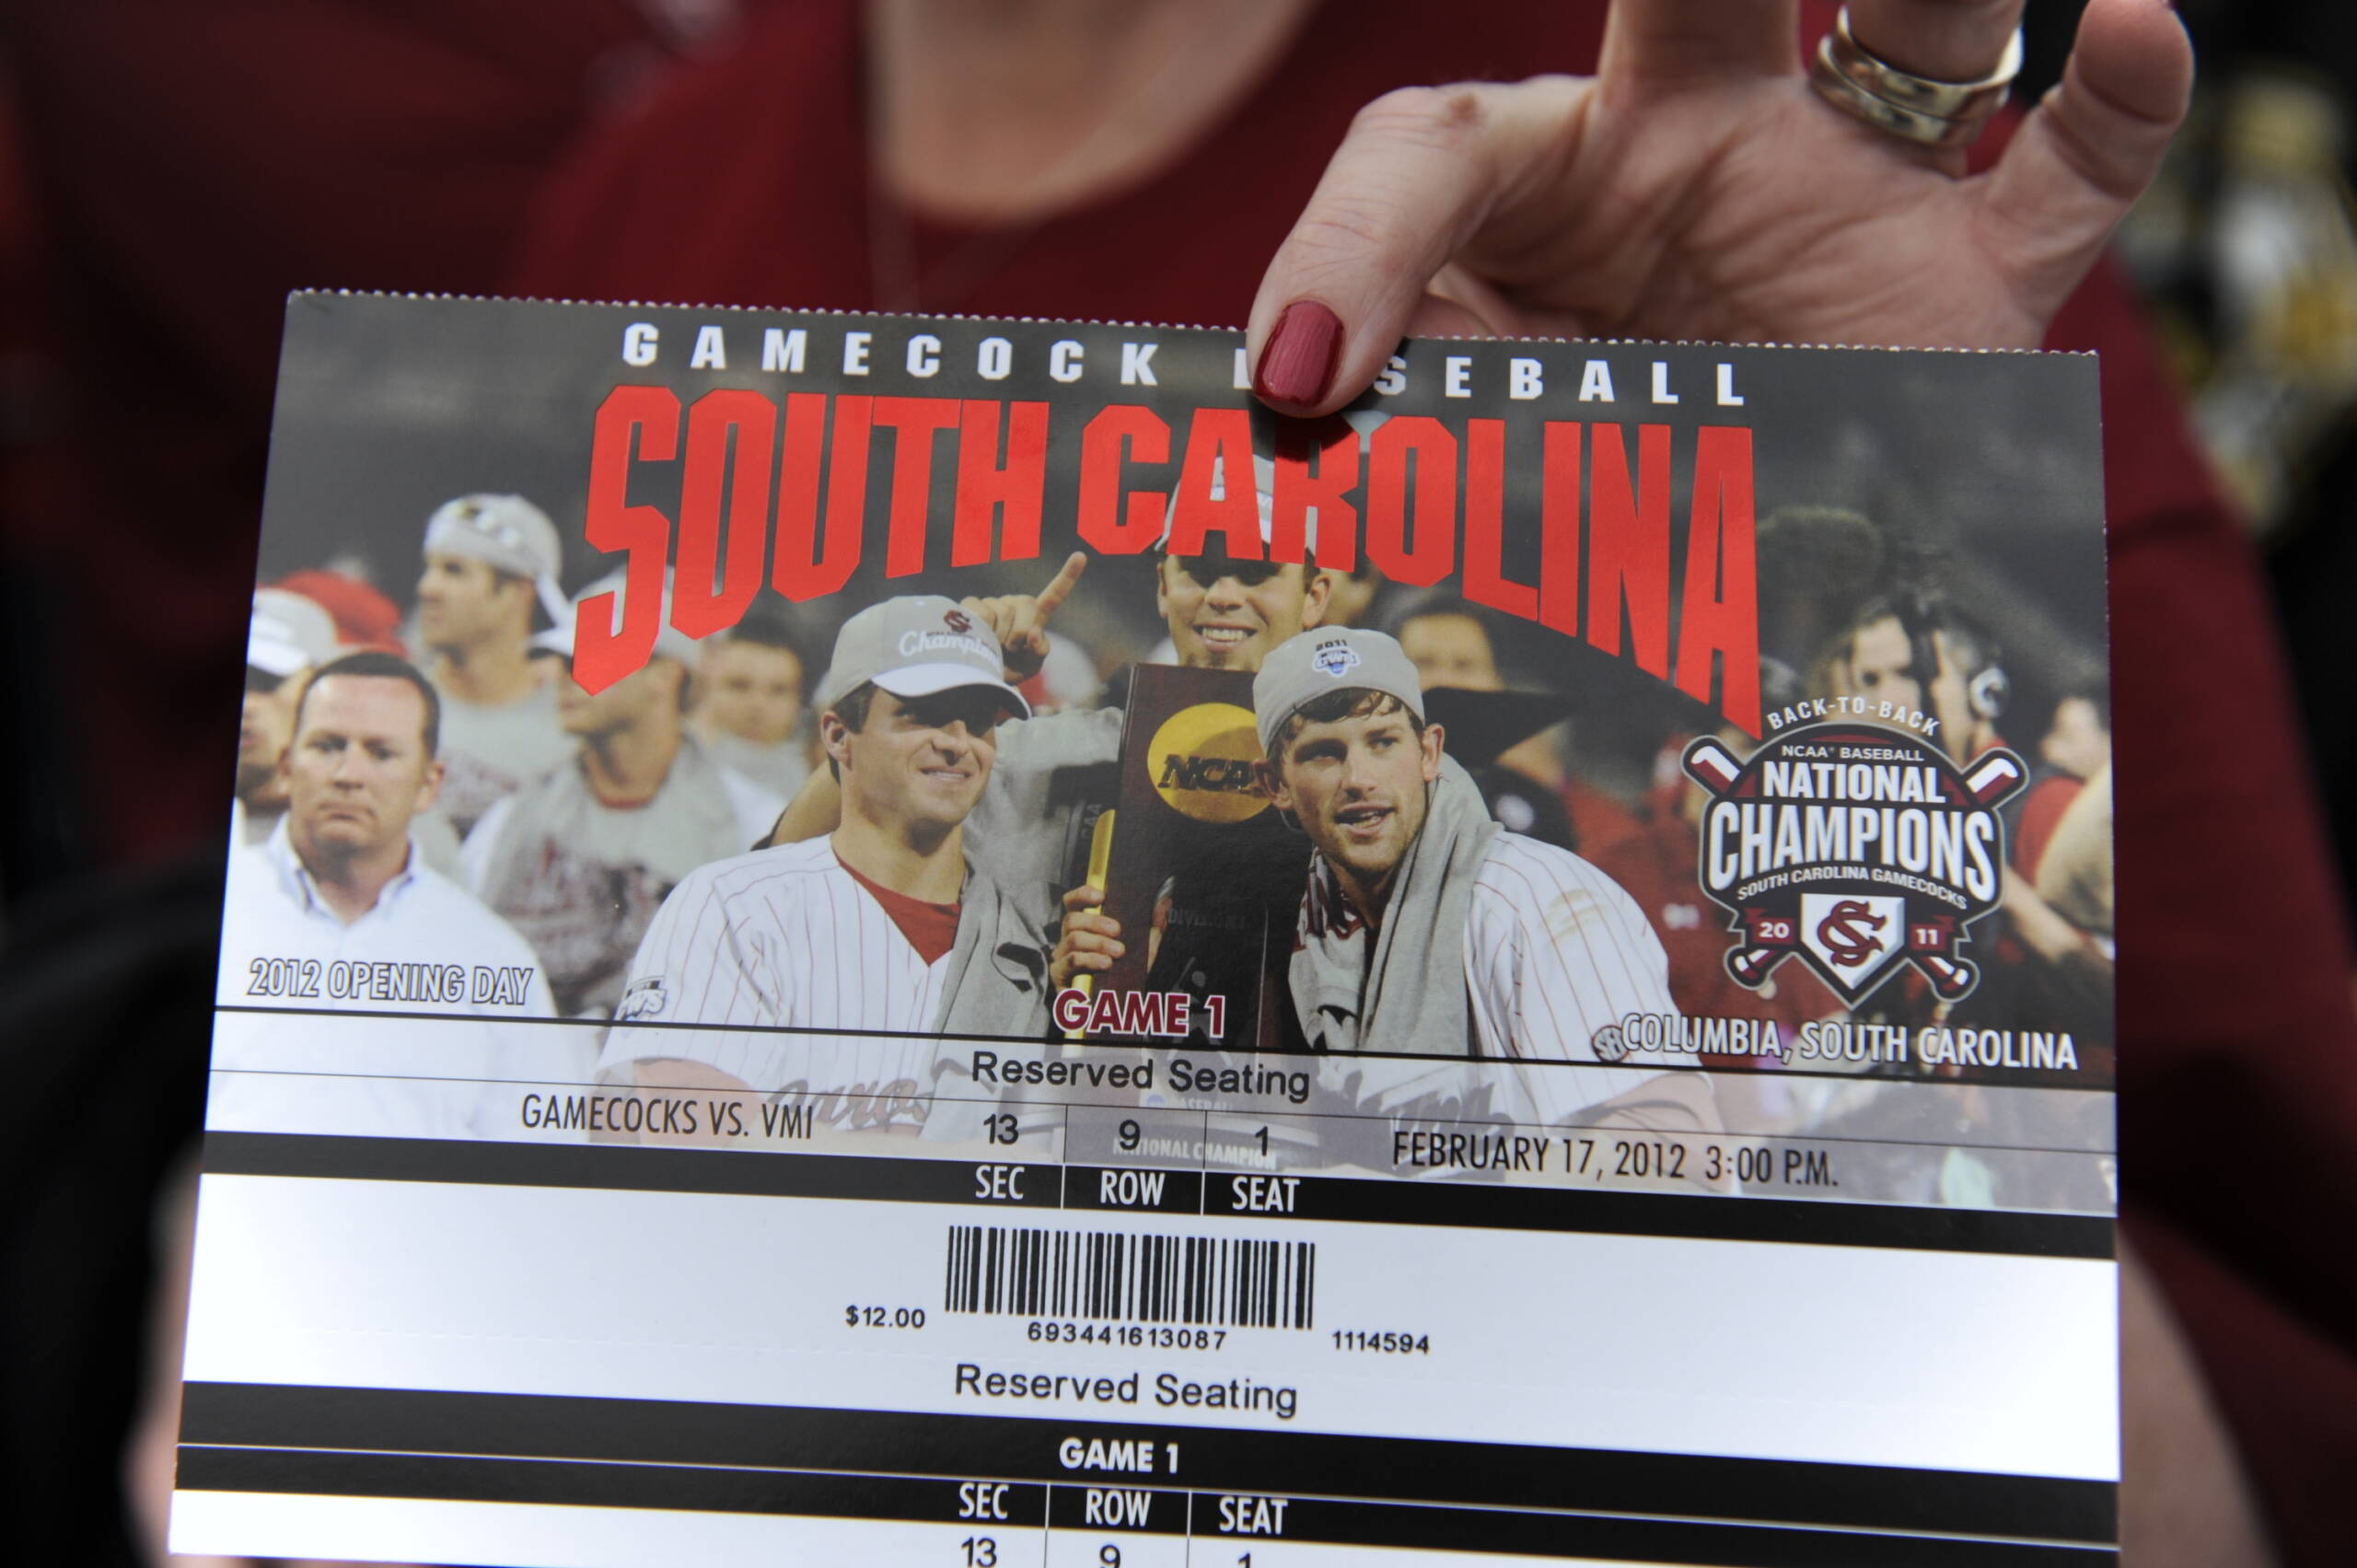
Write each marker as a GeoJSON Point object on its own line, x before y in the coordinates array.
{"type": "Point", "coordinates": [1094, 1513]}
{"type": "Point", "coordinates": [619, 1432]}
{"type": "Point", "coordinates": [886, 1179]}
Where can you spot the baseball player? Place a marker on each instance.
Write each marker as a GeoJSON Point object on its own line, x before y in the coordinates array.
{"type": "Point", "coordinates": [338, 909]}
{"type": "Point", "coordinates": [749, 712]}
{"type": "Point", "coordinates": [1426, 927]}
{"type": "Point", "coordinates": [874, 938]}
{"type": "Point", "coordinates": [490, 561]}
{"type": "Point", "coordinates": [580, 860]}
{"type": "Point", "coordinates": [1029, 832]}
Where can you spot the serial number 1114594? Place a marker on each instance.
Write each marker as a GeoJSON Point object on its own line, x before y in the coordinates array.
{"type": "Point", "coordinates": [1385, 1344]}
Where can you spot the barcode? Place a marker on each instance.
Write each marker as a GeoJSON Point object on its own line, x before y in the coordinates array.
{"type": "Point", "coordinates": [1221, 1282]}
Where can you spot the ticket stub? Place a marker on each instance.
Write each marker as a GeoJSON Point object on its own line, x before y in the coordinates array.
{"type": "Point", "coordinates": [937, 941]}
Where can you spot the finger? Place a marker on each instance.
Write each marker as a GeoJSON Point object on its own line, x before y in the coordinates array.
{"type": "Point", "coordinates": [1458, 304]}
{"type": "Point", "coordinates": [1080, 942]}
{"type": "Point", "coordinates": [1436, 315]}
{"type": "Point", "coordinates": [1421, 171]}
{"type": "Point", "coordinates": [1095, 924]}
{"type": "Point", "coordinates": [1084, 897]}
{"type": "Point", "coordinates": [985, 611]}
{"type": "Point", "coordinates": [998, 614]}
{"type": "Point", "coordinates": [2078, 163]}
{"type": "Point", "coordinates": [1948, 41]}
{"type": "Point", "coordinates": [1023, 628]}
{"type": "Point", "coordinates": [1097, 962]}
{"type": "Point", "coordinates": [1060, 586]}
{"type": "Point", "coordinates": [1674, 39]}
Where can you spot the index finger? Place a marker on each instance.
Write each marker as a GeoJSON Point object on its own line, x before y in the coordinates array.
{"type": "Point", "coordinates": [1422, 171]}
{"type": "Point", "coordinates": [1060, 586]}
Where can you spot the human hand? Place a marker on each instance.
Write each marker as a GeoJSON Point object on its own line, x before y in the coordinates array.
{"type": "Point", "coordinates": [1019, 621]}
{"type": "Point", "coordinates": [1090, 941]}
{"type": "Point", "coordinates": [1698, 187]}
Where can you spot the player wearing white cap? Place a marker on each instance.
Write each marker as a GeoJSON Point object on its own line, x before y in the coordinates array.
{"type": "Point", "coordinates": [490, 561]}
{"type": "Point", "coordinates": [337, 908]}
{"type": "Point", "coordinates": [884, 925]}
{"type": "Point", "coordinates": [580, 860]}
{"type": "Point", "coordinates": [1426, 927]}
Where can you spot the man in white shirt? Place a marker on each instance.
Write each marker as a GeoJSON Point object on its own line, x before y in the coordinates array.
{"type": "Point", "coordinates": [337, 911]}
{"type": "Point", "coordinates": [1428, 929]}
{"type": "Point", "coordinates": [883, 925]}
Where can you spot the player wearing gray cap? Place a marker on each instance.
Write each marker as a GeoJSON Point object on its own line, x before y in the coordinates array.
{"type": "Point", "coordinates": [580, 860]}
{"type": "Point", "coordinates": [490, 561]}
{"type": "Point", "coordinates": [884, 925]}
{"type": "Point", "coordinates": [1426, 927]}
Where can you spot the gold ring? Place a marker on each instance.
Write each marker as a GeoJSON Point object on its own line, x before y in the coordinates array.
{"type": "Point", "coordinates": [1916, 108]}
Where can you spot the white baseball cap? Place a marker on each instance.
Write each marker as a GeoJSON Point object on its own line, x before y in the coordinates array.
{"type": "Point", "coordinates": [669, 640]}
{"type": "Point", "coordinates": [289, 632]}
{"type": "Point", "coordinates": [1364, 421]}
{"type": "Point", "coordinates": [915, 646]}
{"type": "Point", "coordinates": [1264, 484]}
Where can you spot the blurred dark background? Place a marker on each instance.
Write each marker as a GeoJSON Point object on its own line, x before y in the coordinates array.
{"type": "Point", "coordinates": [169, 170]}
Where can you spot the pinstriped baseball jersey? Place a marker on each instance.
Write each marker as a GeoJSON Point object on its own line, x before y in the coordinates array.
{"type": "Point", "coordinates": [780, 940]}
{"type": "Point", "coordinates": [1555, 951]}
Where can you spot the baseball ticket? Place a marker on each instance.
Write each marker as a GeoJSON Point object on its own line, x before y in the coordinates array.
{"type": "Point", "coordinates": [937, 941]}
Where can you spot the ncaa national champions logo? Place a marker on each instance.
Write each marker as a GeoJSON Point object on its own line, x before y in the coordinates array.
{"type": "Point", "coordinates": [1860, 850]}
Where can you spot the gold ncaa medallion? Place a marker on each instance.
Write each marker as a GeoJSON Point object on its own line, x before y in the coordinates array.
{"type": "Point", "coordinates": [1202, 758]}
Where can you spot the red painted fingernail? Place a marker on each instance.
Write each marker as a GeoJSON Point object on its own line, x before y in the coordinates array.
{"type": "Point", "coordinates": [1297, 364]}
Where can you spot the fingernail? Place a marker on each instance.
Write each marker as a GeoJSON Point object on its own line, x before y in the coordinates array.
{"type": "Point", "coordinates": [1297, 364]}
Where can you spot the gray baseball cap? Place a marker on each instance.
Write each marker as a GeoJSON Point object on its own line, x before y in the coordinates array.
{"type": "Point", "coordinates": [505, 531]}
{"type": "Point", "coordinates": [1309, 664]}
{"type": "Point", "coordinates": [915, 646]}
